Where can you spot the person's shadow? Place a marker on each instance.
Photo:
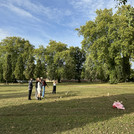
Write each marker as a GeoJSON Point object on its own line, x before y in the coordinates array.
{"type": "Point", "coordinates": [62, 115]}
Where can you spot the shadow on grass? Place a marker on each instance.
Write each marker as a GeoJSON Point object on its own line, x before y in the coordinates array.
{"type": "Point", "coordinates": [59, 116]}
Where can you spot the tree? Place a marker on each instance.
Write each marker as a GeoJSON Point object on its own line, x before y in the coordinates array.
{"type": "Point", "coordinates": [1, 65]}
{"type": "Point", "coordinates": [126, 31]}
{"type": "Point", "coordinates": [70, 63]}
{"type": "Point", "coordinates": [96, 43]}
{"type": "Point", "coordinates": [66, 64]}
{"type": "Point", "coordinates": [29, 68]}
{"type": "Point", "coordinates": [1, 72]}
{"type": "Point", "coordinates": [16, 47]}
{"type": "Point", "coordinates": [108, 42]}
{"type": "Point", "coordinates": [7, 68]}
{"type": "Point", "coordinates": [41, 62]}
{"type": "Point", "coordinates": [39, 70]}
{"type": "Point", "coordinates": [19, 69]}
{"type": "Point", "coordinates": [40, 53]}
{"type": "Point", "coordinates": [44, 70]}
{"type": "Point", "coordinates": [52, 52]}
{"type": "Point", "coordinates": [78, 57]}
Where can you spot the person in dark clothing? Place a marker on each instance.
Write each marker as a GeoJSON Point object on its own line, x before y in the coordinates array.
{"type": "Point", "coordinates": [54, 87]}
{"type": "Point", "coordinates": [30, 87]}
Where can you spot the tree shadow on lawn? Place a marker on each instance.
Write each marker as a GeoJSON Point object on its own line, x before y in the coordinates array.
{"type": "Point", "coordinates": [63, 115]}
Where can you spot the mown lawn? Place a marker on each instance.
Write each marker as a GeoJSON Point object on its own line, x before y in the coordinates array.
{"type": "Point", "coordinates": [75, 109]}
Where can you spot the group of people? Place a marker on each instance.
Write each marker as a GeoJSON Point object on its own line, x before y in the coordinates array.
{"type": "Point", "coordinates": [40, 88]}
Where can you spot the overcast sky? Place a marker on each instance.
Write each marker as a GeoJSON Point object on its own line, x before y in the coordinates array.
{"type": "Point", "coordinates": [42, 20]}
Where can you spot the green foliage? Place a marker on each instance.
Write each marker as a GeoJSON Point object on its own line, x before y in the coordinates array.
{"type": "Point", "coordinates": [51, 71]}
{"type": "Point", "coordinates": [19, 69]}
{"type": "Point", "coordinates": [7, 68]}
{"type": "Point", "coordinates": [54, 64]}
{"type": "Point", "coordinates": [40, 70]}
{"type": "Point", "coordinates": [17, 48]}
{"type": "Point", "coordinates": [132, 74]}
{"type": "Point", "coordinates": [113, 77]}
{"type": "Point", "coordinates": [68, 65]}
{"type": "Point", "coordinates": [108, 43]}
{"type": "Point", "coordinates": [1, 72]}
{"type": "Point", "coordinates": [40, 58]}
{"type": "Point", "coordinates": [55, 61]}
{"type": "Point", "coordinates": [78, 56]}
{"type": "Point", "coordinates": [44, 70]}
{"type": "Point", "coordinates": [29, 69]}
{"type": "Point", "coordinates": [40, 53]}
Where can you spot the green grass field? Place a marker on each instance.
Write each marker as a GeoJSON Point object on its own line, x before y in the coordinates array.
{"type": "Point", "coordinates": [75, 109]}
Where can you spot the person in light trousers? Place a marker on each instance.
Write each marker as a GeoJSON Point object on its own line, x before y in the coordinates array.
{"type": "Point", "coordinates": [44, 84]}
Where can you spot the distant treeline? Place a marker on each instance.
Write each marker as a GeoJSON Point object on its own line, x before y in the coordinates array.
{"type": "Point", "coordinates": [21, 60]}
{"type": "Point", "coordinates": [106, 53]}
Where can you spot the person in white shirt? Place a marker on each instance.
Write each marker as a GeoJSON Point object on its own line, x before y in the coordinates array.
{"type": "Point", "coordinates": [39, 90]}
{"type": "Point", "coordinates": [36, 86]}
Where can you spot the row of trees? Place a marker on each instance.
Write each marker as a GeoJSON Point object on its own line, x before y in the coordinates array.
{"type": "Point", "coordinates": [109, 45]}
{"type": "Point", "coordinates": [20, 60]}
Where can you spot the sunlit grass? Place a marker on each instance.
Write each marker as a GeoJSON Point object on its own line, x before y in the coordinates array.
{"type": "Point", "coordinates": [76, 108]}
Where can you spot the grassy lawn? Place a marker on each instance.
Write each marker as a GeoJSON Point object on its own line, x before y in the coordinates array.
{"type": "Point", "coordinates": [75, 109]}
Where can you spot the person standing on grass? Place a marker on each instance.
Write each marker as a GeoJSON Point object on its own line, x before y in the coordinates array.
{"type": "Point", "coordinates": [39, 89]}
{"type": "Point", "coordinates": [36, 86]}
{"type": "Point", "coordinates": [30, 88]}
{"type": "Point", "coordinates": [54, 87]}
{"type": "Point", "coordinates": [44, 84]}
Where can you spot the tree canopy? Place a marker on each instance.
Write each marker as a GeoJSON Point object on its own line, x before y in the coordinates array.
{"type": "Point", "coordinates": [109, 43]}
{"type": "Point", "coordinates": [23, 61]}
